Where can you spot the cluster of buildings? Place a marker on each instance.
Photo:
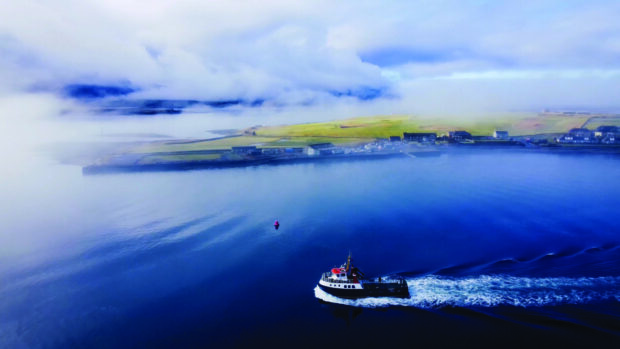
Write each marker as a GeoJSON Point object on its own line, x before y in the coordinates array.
{"type": "Point", "coordinates": [451, 137]}
{"type": "Point", "coordinates": [393, 144]}
{"type": "Point", "coordinates": [602, 134]}
{"type": "Point", "coordinates": [255, 151]}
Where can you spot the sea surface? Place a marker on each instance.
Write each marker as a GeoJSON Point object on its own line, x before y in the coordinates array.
{"type": "Point", "coordinates": [498, 248]}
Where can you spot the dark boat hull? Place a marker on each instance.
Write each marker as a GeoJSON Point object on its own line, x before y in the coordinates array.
{"type": "Point", "coordinates": [371, 289]}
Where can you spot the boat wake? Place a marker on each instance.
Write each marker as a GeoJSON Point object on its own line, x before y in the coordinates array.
{"type": "Point", "coordinates": [434, 291]}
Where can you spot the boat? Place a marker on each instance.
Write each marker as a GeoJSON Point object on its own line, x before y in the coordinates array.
{"type": "Point", "coordinates": [349, 282]}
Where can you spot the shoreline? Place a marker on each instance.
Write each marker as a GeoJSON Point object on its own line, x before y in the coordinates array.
{"type": "Point", "coordinates": [285, 160]}
{"type": "Point", "coordinates": [223, 164]}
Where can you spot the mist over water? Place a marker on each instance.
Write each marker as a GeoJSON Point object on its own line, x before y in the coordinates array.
{"type": "Point", "coordinates": [499, 248]}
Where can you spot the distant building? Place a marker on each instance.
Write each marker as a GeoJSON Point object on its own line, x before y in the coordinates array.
{"type": "Point", "coordinates": [245, 149]}
{"type": "Point", "coordinates": [319, 148]}
{"type": "Point", "coordinates": [331, 151]}
{"type": "Point", "coordinates": [394, 138]}
{"type": "Point", "coordinates": [602, 131]}
{"type": "Point", "coordinates": [500, 134]}
{"type": "Point", "coordinates": [582, 135]}
{"type": "Point", "coordinates": [578, 136]}
{"type": "Point", "coordinates": [272, 151]}
{"type": "Point", "coordinates": [321, 145]}
{"type": "Point", "coordinates": [610, 139]}
{"type": "Point", "coordinates": [419, 137]}
{"type": "Point", "coordinates": [606, 128]}
{"type": "Point", "coordinates": [459, 135]}
{"type": "Point", "coordinates": [580, 132]}
{"type": "Point", "coordinates": [607, 134]}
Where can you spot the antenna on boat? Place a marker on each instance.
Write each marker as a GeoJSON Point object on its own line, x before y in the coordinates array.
{"type": "Point", "coordinates": [348, 262]}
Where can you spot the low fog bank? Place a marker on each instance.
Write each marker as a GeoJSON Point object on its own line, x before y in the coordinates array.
{"type": "Point", "coordinates": [40, 123]}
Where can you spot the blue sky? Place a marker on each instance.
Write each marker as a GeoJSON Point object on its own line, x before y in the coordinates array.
{"type": "Point", "coordinates": [389, 56]}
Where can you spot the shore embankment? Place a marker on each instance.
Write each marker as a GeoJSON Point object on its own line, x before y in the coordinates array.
{"type": "Point", "coordinates": [133, 163]}
{"type": "Point", "coordinates": [248, 162]}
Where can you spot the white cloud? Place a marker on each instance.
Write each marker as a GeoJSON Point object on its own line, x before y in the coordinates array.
{"type": "Point", "coordinates": [299, 51]}
{"type": "Point", "coordinates": [534, 74]}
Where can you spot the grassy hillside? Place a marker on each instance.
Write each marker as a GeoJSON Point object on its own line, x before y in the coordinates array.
{"type": "Point", "coordinates": [365, 129]}
{"type": "Point", "coordinates": [385, 126]}
{"type": "Point", "coordinates": [595, 122]}
{"type": "Point", "coordinates": [227, 143]}
{"type": "Point", "coordinates": [370, 127]}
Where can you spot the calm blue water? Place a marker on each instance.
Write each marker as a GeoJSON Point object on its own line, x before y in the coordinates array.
{"type": "Point", "coordinates": [498, 249]}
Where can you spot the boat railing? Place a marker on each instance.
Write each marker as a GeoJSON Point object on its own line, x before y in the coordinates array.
{"type": "Point", "coordinates": [326, 277]}
{"type": "Point", "coordinates": [399, 281]}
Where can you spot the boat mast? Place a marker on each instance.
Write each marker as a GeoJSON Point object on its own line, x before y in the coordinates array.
{"type": "Point", "coordinates": [348, 263]}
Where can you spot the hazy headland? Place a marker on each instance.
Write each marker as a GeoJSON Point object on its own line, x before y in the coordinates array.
{"type": "Point", "coordinates": [361, 137]}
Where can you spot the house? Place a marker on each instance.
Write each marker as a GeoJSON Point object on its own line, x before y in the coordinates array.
{"type": "Point", "coordinates": [321, 145]}
{"type": "Point", "coordinates": [607, 134]}
{"type": "Point", "coordinates": [602, 131]}
{"type": "Point", "coordinates": [331, 151]}
{"type": "Point", "coordinates": [319, 148]}
{"type": "Point", "coordinates": [610, 139]}
{"type": "Point", "coordinates": [419, 137]}
{"type": "Point", "coordinates": [578, 135]}
{"type": "Point", "coordinates": [272, 151]}
{"type": "Point", "coordinates": [500, 134]}
{"type": "Point", "coordinates": [459, 135]}
{"type": "Point", "coordinates": [250, 149]}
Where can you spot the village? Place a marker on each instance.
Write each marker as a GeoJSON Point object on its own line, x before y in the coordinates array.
{"type": "Point", "coordinates": [409, 141]}
{"type": "Point", "coordinates": [604, 138]}
{"type": "Point", "coordinates": [601, 135]}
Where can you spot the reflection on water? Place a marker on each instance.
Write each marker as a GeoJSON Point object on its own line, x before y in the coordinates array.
{"type": "Point", "coordinates": [193, 259]}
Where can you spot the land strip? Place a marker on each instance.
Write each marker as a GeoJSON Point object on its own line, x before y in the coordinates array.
{"type": "Point", "coordinates": [366, 138]}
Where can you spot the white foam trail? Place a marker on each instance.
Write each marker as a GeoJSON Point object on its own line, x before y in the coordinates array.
{"type": "Point", "coordinates": [433, 291]}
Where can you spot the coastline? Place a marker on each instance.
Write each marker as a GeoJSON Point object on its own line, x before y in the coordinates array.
{"type": "Point", "coordinates": [275, 160]}
{"type": "Point", "coordinates": [366, 138]}
{"type": "Point", "coordinates": [223, 164]}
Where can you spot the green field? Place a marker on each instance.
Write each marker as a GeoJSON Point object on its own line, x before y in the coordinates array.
{"type": "Point", "coordinates": [546, 124]}
{"type": "Point", "coordinates": [366, 129]}
{"type": "Point", "coordinates": [223, 143]}
{"type": "Point", "coordinates": [384, 126]}
{"type": "Point", "coordinates": [595, 122]}
{"type": "Point", "coordinates": [227, 143]}
{"type": "Point", "coordinates": [370, 127]}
